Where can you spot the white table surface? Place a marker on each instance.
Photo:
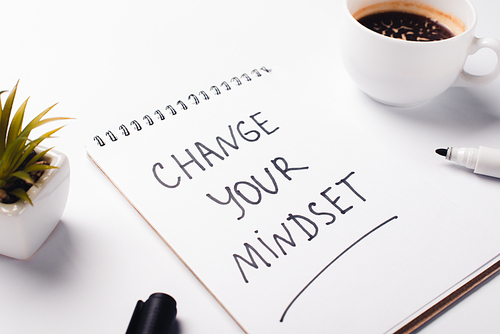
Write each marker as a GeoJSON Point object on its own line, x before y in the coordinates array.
{"type": "Point", "coordinates": [101, 59]}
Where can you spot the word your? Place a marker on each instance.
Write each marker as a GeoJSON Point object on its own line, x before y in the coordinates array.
{"type": "Point", "coordinates": [308, 226]}
{"type": "Point", "coordinates": [205, 153]}
{"type": "Point", "coordinates": [281, 166]}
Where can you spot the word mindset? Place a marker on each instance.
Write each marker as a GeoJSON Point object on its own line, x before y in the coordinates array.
{"type": "Point", "coordinates": [248, 134]}
{"type": "Point", "coordinates": [306, 225]}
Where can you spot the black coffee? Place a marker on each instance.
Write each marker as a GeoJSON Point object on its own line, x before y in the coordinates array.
{"type": "Point", "coordinates": [406, 26]}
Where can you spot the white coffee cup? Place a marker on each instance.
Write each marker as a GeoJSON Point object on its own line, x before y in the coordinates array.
{"type": "Point", "coordinates": [403, 73]}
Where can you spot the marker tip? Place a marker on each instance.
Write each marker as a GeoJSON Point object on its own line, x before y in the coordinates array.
{"type": "Point", "coordinates": [442, 151]}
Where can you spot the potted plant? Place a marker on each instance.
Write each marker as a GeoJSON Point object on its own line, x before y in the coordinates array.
{"type": "Point", "coordinates": [34, 182]}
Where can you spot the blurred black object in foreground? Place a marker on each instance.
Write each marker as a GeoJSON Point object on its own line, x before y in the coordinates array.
{"type": "Point", "coordinates": [155, 316]}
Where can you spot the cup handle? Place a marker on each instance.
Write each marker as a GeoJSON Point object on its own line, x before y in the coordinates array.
{"type": "Point", "coordinates": [466, 79]}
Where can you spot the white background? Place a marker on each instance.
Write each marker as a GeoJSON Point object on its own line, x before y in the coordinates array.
{"type": "Point", "coordinates": [106, 60]}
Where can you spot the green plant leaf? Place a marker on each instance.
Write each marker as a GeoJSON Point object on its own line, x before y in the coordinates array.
{"type": "Point", "coordinates": [1, 107]}
{"type": "Point", "coordinates": [18, 151]}
{"type": "Point", "coordinates": [4, 118]}
{"type": "Point", "coordinates": [16, 123]}
{"type": "Point", "coordinates": [25, 152]}
{"type": "Point", "coordinates": [23, 176]}
{"type": "Point", "coordinates": [27, 130]}
{"type": "Point", "coordinates": [36, 122]}
{"type": "Point", "coordinates": [16, 147]}
{"type": "Point", "coordinates": [12, 155]}
{"type": "Point", "coordinates": [35, 168]}
{"type": "Point", "coordinates": [37, 157]}
{"type": "Point", "coordinates": [27, 149]}
{"type": "Point", "coordinates": [21, 193]}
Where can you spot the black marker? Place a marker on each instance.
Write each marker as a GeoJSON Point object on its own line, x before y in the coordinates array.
{"type": "Point", "coordinates": [484, 160]}
{"type": "Point", "coordinates": [155, 316]}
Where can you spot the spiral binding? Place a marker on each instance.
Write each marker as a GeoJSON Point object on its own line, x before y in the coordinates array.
{"type": "Point", "coordinates": [124, 131]}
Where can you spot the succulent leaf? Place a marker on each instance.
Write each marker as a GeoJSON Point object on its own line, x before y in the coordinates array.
{"type": "Point", "coordinates": [12, 155]}
{"type": "Point", "coordinates": [36, 122]}
{"type": "Point", "coordinates": [22, 194]}
{"type": "Point", "coordinates": [16, 123]}
{"type": "Point", "coordinates": [17, 157]}
{"type": "Point", "coordinates": [37, 157]}
{"type": "Point", "coordinates": [25, 176]}
{"type": "Point", "coordinates": [4, 118]}
{"type": "Point", "coordinates": [35, 168]}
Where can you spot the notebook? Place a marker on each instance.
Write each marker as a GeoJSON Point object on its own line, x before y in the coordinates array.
{"type": "Point", "coordinates": [285, 213]}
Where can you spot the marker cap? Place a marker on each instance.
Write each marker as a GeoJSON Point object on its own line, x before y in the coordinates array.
{"type": "Point", "coordinates": [155, 316]}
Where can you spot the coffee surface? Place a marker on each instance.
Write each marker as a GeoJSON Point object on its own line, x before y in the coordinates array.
{"type": "Point", "coordinates": [406, 26]}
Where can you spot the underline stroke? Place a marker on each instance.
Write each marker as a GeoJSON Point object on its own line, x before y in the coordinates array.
{"type": "Point", "coordinates": [335, 259]}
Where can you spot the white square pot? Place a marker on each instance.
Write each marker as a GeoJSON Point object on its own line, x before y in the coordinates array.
{"type": "Point", "coordinates": [23, 227]}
